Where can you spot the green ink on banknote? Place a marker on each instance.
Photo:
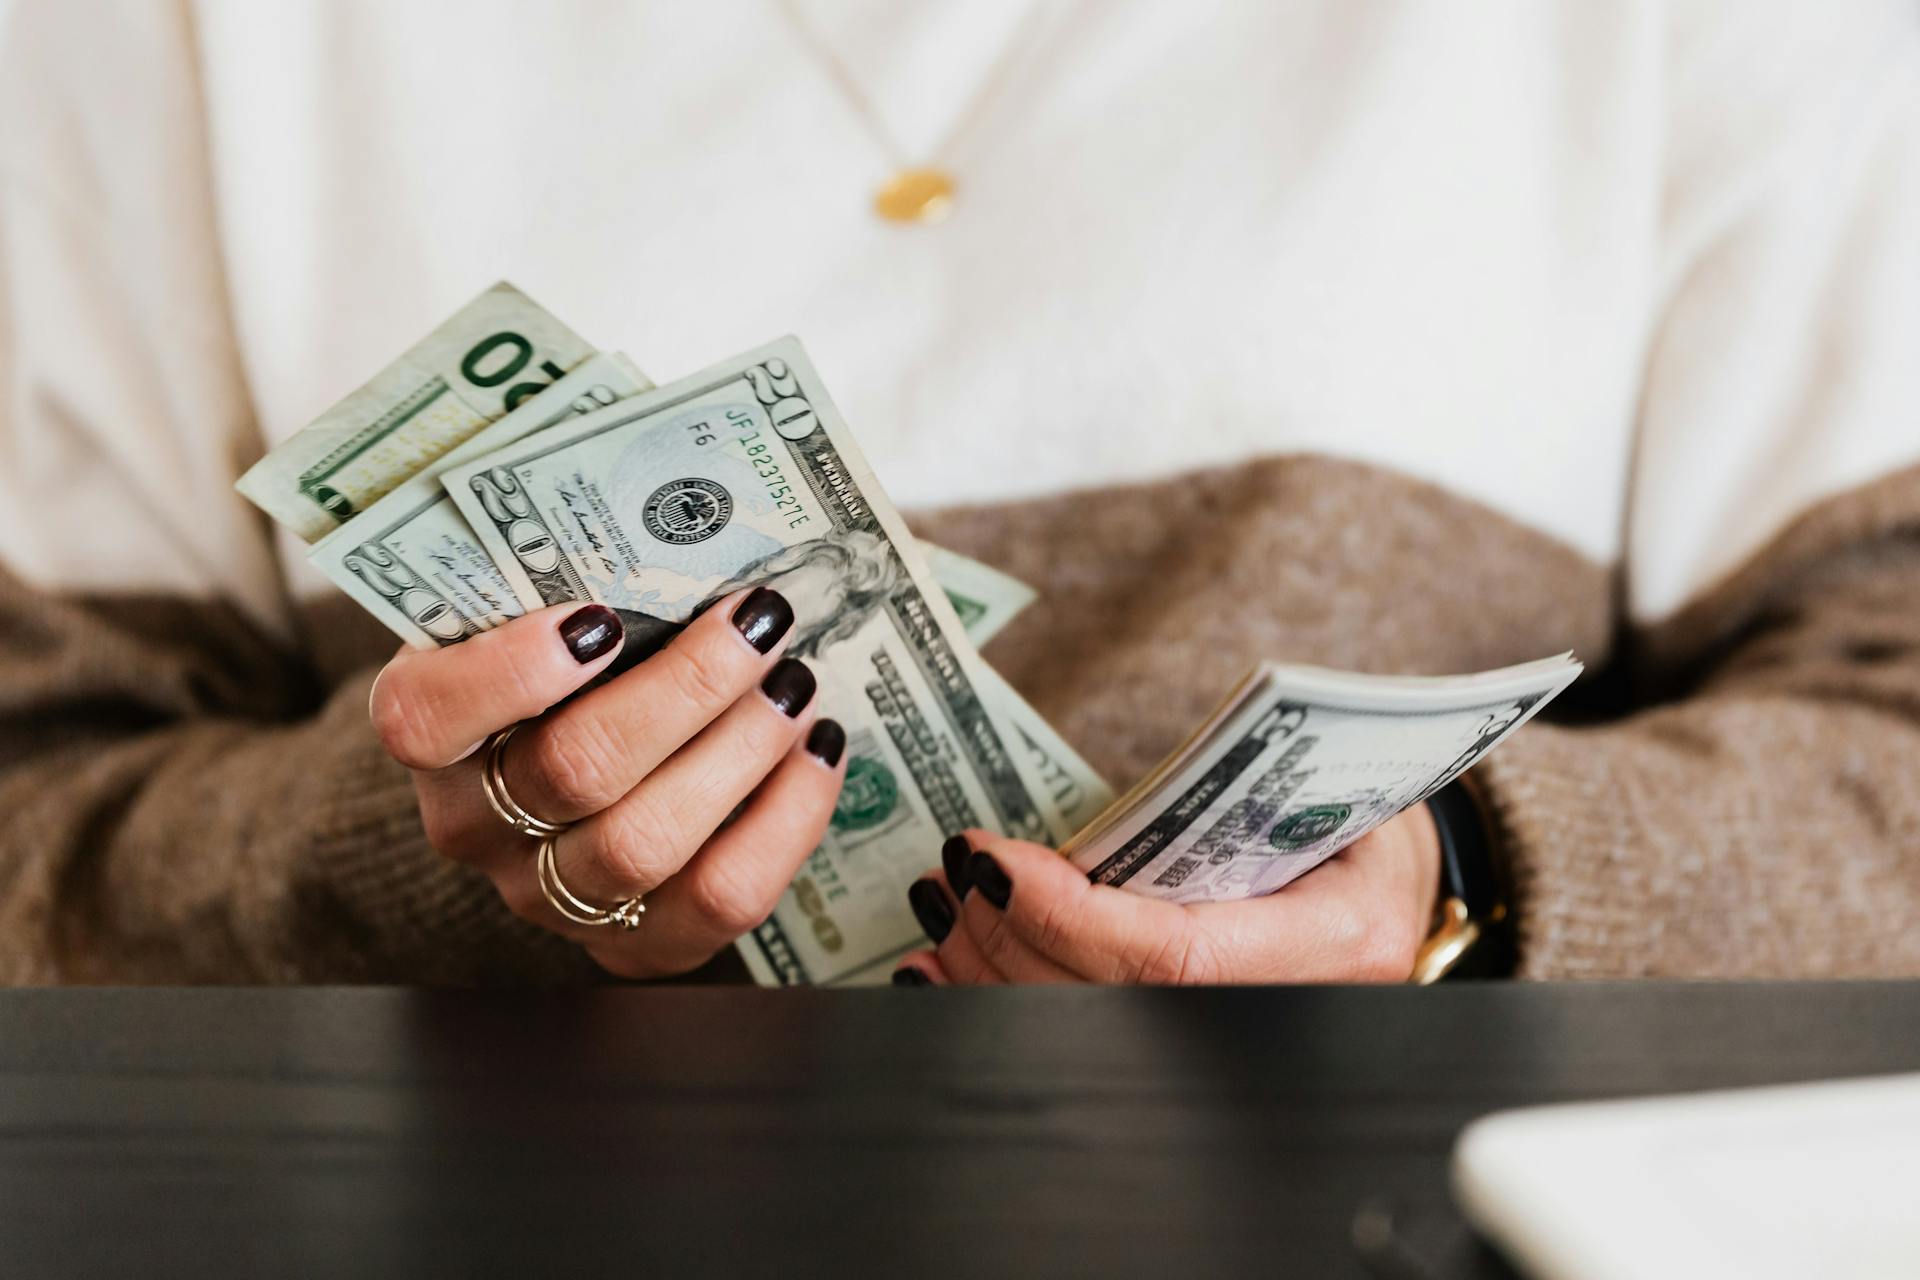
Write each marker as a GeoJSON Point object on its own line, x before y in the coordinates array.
{"type": "Point", "coordinates": [969, 609]}
{"type": "Point", "coordinates": [868, 796]}
{"type": "Point", "coordinates": [1309, 825]}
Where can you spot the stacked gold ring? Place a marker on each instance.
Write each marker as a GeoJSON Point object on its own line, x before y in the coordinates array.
{"type": "Point", "coordinates": [493, 781]}
{"type": "Point", "coordinates": [624, 914]}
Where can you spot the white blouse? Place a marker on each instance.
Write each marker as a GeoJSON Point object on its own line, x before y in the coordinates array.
{"type": "Point", "coordinates": [1643, 277]}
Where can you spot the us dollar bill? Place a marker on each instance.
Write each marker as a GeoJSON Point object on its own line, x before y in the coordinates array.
{"type": "Point", "coordinates": [1074, 791]}
{"type": "Point", "coordinates": [412, 560]}
{"type": "Point", "coordinates": [844, 919]}
{"type": "Point", "coordinates": [479, 365]}
{"type": "Point", "coordinates": [1298, 763]}
{"type": "Point", "coordinates": [984, 598]}
{"type": "Point", "coordinates": [842, 898]}
{"type": "Point", "coordinates": [746, 474]}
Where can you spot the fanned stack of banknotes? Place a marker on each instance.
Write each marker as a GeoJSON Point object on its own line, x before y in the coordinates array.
{"type": "Point", "coordinates": [502, 465]}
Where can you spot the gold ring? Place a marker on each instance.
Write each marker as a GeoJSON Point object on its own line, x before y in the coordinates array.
{"type": "Point", "coordinates": [493, 781]}
{"type": "Point", "coordinates": [625, 914]}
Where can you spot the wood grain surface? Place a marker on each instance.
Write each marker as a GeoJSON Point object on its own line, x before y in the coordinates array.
{"type": "Point", "coordinates": [667, 1132]}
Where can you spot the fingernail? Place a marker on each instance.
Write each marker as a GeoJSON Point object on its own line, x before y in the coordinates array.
{"type": "Point", "coordinates": [789, 686]}
{"type": "Point", "coordinates": [953, 856]}
{"type": "Point", "coordinates": [989, 879]}
{"type": "Point", "coordinates": [931, 909]}
{"type": "Point", "coordinates": [911, 977]}
{"type": "Point", "coordinates": [763, 617]}
{"type": "Point", "coordinates": [825, 741]}
{"type": "Point", "coordinates": [590, 632]}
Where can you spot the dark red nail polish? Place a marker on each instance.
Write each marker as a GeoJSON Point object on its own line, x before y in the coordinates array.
{"type": "Point", "coordinates": [825, 741]}
{"type": "Point", "coordinates": [590, 632]}
{"type": "Point", "coordinates": [990, 880]}
{"type": "Point", "coordinates": [789, 686]}
{"type": "Point", "coordinates": [911, 977]}
{"type": "Point", "coordinates": [953, 858]}
{"type": "Point", "coordinates": [763, 617]}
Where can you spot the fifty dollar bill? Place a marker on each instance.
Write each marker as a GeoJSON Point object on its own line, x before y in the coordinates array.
{"type": "Point", "coordinates": [476, 366]}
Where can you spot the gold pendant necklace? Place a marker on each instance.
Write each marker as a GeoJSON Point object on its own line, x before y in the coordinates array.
{"type": "Point", "coordinates": [917, 192]}
{"type": "Point", "coordinates": [915, 195]}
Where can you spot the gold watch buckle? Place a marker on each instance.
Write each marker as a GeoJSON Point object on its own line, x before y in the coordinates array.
{"type": "Point", "coordinates": [1449, 942]}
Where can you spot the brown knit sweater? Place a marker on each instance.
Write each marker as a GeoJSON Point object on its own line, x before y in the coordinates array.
{"type": "Point", "coordinates": [1578, 326]}
{"type": "Point", "coordinates": [1735, 792]}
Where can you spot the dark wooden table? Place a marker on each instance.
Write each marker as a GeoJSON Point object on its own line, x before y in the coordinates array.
{"type": "Point", "coordinates": [660, 1132]}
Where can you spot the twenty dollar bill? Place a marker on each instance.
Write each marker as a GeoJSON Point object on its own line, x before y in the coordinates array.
{"type": "Point", "coordinates": [412, 560]}
{"type": "Point", "coordinates": [746, 474]}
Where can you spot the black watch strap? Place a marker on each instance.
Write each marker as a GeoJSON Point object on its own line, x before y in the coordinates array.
{"type": "Point", "coordinates": [1474, 937]}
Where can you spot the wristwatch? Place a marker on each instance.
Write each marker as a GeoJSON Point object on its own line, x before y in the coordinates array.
{"type": "Point", "coordinates": [1472, 934]}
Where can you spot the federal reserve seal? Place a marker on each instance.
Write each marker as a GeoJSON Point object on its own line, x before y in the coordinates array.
{"type": "Point", "coordinates": [1307, 825]}
{"type": "Point", "coordinates": [687, 511]}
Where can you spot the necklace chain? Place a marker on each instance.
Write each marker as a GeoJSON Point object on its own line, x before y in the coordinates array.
{"type": "Point", "coordinates": [922, 191]}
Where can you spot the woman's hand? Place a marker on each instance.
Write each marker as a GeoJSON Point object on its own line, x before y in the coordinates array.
{"type": "Point", "coordinates": [1024, 914]}
{"type": "Point", "coordinates": [648, 768]}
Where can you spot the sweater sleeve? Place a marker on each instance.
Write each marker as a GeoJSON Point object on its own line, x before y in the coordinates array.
{"type": "Point", "coordinates": [185, 797]}
{"type": "Point", "coordinates": [1763, 818]}
{"type": "Point", "coordinates": [185, 803]}
{"type": "Point", "coordinates": [1756, 809]}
